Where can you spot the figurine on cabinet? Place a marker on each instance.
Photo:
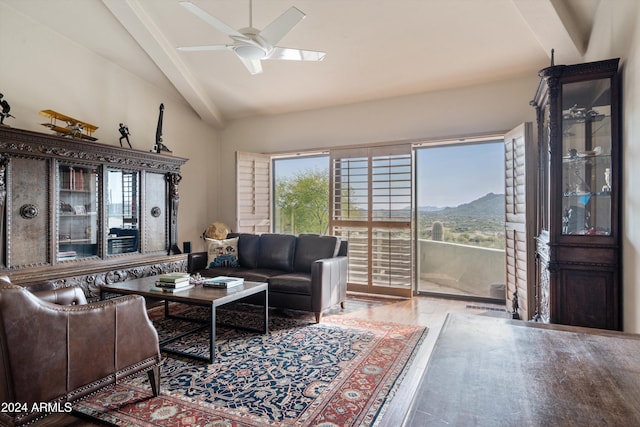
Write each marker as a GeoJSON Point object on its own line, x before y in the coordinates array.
{"type": "Point", "coordinates": [606, 188]}
{"type": "Point", "coordinates": [5, 109]}
{"type": "Point", "coordinates": [124, 131]}
{"type": "Point", "coordinates": [160, 147]}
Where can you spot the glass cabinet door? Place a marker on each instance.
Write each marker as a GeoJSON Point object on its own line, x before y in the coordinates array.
{"type": "Point", "coordinates": [123, 207]}
{"type": "Point", "coordinates": [586, 158]}
{"type": "Point", "coordinates": [77, 212]}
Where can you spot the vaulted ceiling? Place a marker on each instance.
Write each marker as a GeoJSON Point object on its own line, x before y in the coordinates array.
{"type": "Point", "coordinates": [375, 48]}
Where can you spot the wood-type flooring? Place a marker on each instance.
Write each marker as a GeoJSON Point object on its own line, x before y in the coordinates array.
{"type": "Point", "coordinates": [425, 311]}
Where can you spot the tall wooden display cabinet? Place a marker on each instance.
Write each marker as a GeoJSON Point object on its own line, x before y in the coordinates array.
{"type": "Point", "coordinates": [578, 251]}
{"type": "Point", "coordinates": [74, 212]}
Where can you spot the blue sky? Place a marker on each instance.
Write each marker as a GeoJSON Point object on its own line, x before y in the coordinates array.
{"type": "Point", "coordinates": [446, 175]}
{"type": "Point", "coordinates": [287, 168]}
{"type": "Point", "coordinates": [455, 174]}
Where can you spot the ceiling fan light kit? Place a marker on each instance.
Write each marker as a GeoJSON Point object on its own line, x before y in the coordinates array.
{"type": "Point", "coordinates": [250, 52]}
{"type": "Point", "coordinates": [252, 46]}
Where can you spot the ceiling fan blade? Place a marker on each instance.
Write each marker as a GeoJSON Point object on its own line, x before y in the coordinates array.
{"type": "Point", "coordinates": [204, 48]}
{"type": "Point", "coordinates": [209, 19]}
{"type": "Point", "coordinates": [289, 54]}
{"type": "Point", "coordinates": [276, 30]}
{"type": "Point", "coordinates": [253, 65]}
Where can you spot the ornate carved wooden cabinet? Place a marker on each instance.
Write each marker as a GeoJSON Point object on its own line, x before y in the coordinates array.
{"type": "Point", "coordinates": [578, 250]}
{"type": "Point", "coordinates": [83, 212]}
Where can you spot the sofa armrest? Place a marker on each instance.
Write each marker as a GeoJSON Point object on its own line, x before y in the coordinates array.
{"type": "Point", "coordinates": [72, 295]}
{"type": "Point", "coordinates": [328, 282]}
{"type": "Point", "coordinates": [196, 261]}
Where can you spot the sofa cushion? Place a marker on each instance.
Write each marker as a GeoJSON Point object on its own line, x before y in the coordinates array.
{"type": "Point", "coordinates": [291, 283]}
{"type": "Point", "coordinates": [312, 247]}
{"type": "Point", "coordinates": [276, 252]}
{"type": "Point", "coordinates": [248, 246]}
{"type": "Point", "coordinates": [222, 253]}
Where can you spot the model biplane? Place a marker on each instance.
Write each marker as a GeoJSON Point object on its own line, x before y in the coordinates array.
{"type": "Point", "coordinates": [74, 128]}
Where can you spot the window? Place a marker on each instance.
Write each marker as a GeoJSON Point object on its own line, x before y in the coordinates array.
{"type": "Point", "coordinates": [301, 194]}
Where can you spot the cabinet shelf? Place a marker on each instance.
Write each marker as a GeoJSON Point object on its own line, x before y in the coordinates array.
{"type": "Point", "coordinates": [579, 195]}
{"type": "Point", "coordinates": [582, 159]}
{"type": "Point", "coordinates": [67, 241]}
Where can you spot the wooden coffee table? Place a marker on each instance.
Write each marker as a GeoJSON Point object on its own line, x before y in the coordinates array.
{"type": "Point", "coordinates": [199, 295]}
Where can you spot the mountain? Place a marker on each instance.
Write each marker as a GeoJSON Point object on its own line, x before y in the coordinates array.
{"type": "Point", "coordinates": [481, 216]}
{"type": "Point", "coordinates": [490, 204]}
{"type": "Point", "coordinates": [430, 208]}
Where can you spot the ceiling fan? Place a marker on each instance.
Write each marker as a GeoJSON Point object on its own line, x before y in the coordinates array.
{"type": "Point", "coordinates": [252, 45]}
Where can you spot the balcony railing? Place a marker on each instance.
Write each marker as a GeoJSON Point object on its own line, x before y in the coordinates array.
{"type": "Point", "coordinates": [457, 269]}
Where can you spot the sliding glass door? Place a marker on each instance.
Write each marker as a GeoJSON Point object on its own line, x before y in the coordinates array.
{"type": "Point", "coordinates": [426, 218]}
{"type": "Point", "coordinates": [460, 219]}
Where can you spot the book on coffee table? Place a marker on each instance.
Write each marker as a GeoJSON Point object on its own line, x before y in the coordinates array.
{"type": "Point", "coordinates": [222, 282]}
{"type": "Point", "coordinates": [174, 277]}
{"type": "Point", "coordinates": [173, 285]}
{"type": "Point", "coordinates": [170, 290]}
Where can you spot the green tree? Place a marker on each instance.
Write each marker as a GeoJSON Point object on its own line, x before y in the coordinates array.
{"type": "Point", "coordinates": [302, 203]}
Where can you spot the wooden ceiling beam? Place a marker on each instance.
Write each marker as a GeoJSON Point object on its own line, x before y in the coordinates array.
{"type": "Point", "coordinates": [555, 28]}
{"type": "Point", "coordinates": [145, 32]}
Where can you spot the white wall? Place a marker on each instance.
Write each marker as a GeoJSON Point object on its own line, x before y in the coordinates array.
{"type": "Point", "coordinates": [614, 35]}
{"type": "Point", "coordinates": [39, 69]}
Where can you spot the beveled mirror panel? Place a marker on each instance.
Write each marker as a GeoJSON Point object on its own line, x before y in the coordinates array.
{"type": "Point", "coordinates": [123, 211]}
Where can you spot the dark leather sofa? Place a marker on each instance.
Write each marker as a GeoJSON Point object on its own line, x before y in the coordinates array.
{"type": "Point", "coordinates": [306, 272]}
{"type": "Point", "coordinates": [55, 348]}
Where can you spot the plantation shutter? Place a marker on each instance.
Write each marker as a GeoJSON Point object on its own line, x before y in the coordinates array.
{"type": "Point", "coordinates": [372, 208]}
{"type": "Point", "coordinates": [253, 193]}
{"type": "Point", "coordinates": [520, 218]}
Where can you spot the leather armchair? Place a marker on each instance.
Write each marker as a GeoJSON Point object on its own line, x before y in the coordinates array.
{"type": "Point", "coordinates": [72, 295]}
{"type": "Point", "coordinates": [55, 354]}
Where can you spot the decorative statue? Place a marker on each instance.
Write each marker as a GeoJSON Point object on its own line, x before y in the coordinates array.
{"type": "Point", "coordinates": [124, 131]}
{"type": "Point", "coordinates": [160, 147]}
{"type": "Point", "coordinates": [606, 188]}
{"type": "Point", "coordinates": [515, 306]}
{"type": "Point", "coordinates": [173, 179]}
{"type": "Point", "coordinates": [5, 109]}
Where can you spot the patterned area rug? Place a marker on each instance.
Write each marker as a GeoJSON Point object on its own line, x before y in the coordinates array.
{"type": "Point", "coordinates": [341, 372]}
